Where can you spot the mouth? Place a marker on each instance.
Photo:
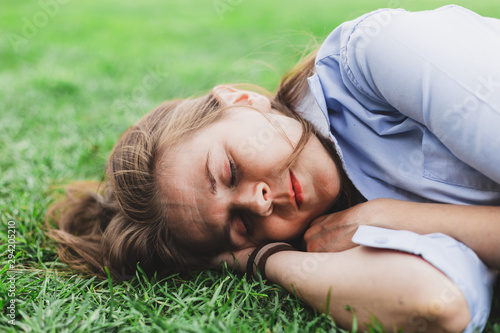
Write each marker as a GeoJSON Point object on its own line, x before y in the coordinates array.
{"type": "Point", "coordinates": [296, 190]}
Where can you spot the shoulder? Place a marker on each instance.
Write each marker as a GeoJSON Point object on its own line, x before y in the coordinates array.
{"type": "Point", "coordinates": [375, 51]}
{"type": "Point", "coordinates": [362, 32]}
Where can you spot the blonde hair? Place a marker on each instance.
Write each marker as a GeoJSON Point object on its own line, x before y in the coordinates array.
{"type": "Point", "coordinates": [122, 222]}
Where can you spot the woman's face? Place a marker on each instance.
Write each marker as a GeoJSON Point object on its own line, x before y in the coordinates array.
{"type": "Point", "coordinates": [226, 188]}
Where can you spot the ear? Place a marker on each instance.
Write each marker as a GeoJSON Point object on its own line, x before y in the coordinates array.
{"type": "Point", "coordinates": [230, 96]}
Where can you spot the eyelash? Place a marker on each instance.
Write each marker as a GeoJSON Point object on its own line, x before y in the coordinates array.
{"type": "Point", "coordinates": [234, 172]}
{"type": "Point", "coordinates": [244, 223]}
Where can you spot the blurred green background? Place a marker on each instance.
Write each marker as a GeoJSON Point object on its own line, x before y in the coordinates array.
{"type": "Point", "coordinates": [75, 74]}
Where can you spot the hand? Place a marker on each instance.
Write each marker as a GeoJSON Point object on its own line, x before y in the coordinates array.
{"type": "Point", "coordinates": [235, 259]}
{"type": "Point", "coordinates": [333, 232]}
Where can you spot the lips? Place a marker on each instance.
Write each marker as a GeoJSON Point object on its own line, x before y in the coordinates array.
{"type": "Point", "coordinates": [297, 190]}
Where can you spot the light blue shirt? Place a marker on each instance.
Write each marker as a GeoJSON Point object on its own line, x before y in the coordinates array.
{"type": "Point", "coordinates": [412, 102]}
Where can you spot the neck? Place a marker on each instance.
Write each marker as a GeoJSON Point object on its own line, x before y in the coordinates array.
{"type": "Point", "coordinates": [349, 194]}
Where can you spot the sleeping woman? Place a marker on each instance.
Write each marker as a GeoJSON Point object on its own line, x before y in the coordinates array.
{"type": "Point", "coordinates": [371, 178]}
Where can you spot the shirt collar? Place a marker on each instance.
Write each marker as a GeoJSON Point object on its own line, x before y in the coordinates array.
{"type": "Point", "coordinates": [313, 108]}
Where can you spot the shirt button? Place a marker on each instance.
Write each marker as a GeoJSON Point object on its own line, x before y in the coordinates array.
{"type": "Point", "coordinates": [381, 240]}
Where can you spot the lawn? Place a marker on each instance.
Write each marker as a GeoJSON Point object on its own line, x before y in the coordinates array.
{"type": "Point", "coordinates": [73, 76]}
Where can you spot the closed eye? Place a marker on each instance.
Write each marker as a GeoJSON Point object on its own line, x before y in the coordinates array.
{"type": "Point", "coordinates": [246, 222]}
{"type": "Point", "coordinates": [234, 172]}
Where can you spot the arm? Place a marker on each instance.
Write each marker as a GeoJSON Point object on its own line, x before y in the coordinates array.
{"type": "Point", "coordinates": [478, 227]}
{"type": "Point", "coordinates": [401, 290]}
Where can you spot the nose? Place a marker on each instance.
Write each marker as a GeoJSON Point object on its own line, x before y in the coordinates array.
{"type": "Point", "coordinates": [254, 197]}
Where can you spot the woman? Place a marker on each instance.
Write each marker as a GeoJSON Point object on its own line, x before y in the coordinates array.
{"type": "Point", "coordinates": [400, 110]}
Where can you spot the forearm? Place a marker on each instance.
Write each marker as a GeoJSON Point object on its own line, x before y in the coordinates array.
{"type": "Point", "coordinates": [476, 226]}
{"type": "Point", "coordinates": [398, 289]}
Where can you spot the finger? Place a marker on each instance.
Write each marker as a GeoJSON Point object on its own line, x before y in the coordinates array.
{"type": "Point", "coordinates": [320, 219]}
{"type": "Point", "coordinates": [308, 235]}
{"type": "Point", "coordinates": [327, 239]}
{"type": "Point", "coordinates": [318, 230]}
{"type": "Point", "coordinates": [317, 240]}
{"type": "Point", "coordinates": [319, 244]}
{"type": "Point", "coordinates": [313, 236]}
{"type": "Point", "coordinates": [318, 226]}
{"type": "Point", "coordinates": [324, 244]}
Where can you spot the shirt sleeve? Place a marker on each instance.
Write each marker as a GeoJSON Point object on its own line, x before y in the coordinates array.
{"type": "Point", "coordinates": [441, 68]}
{"type": "Point", "coordinates": [448, 255]}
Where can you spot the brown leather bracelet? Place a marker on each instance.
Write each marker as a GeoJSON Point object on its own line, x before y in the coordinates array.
{"type": "Point", "coordinates": [251, 261]}
{"type": "Point", "coordinates": [258, 258]}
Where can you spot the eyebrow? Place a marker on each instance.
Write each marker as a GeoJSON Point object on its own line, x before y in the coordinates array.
{"type": "Point", "coordinates": [210, 177]}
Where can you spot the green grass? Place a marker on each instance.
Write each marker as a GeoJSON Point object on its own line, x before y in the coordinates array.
{"type": "Point", "coordinates": [73, 77]}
